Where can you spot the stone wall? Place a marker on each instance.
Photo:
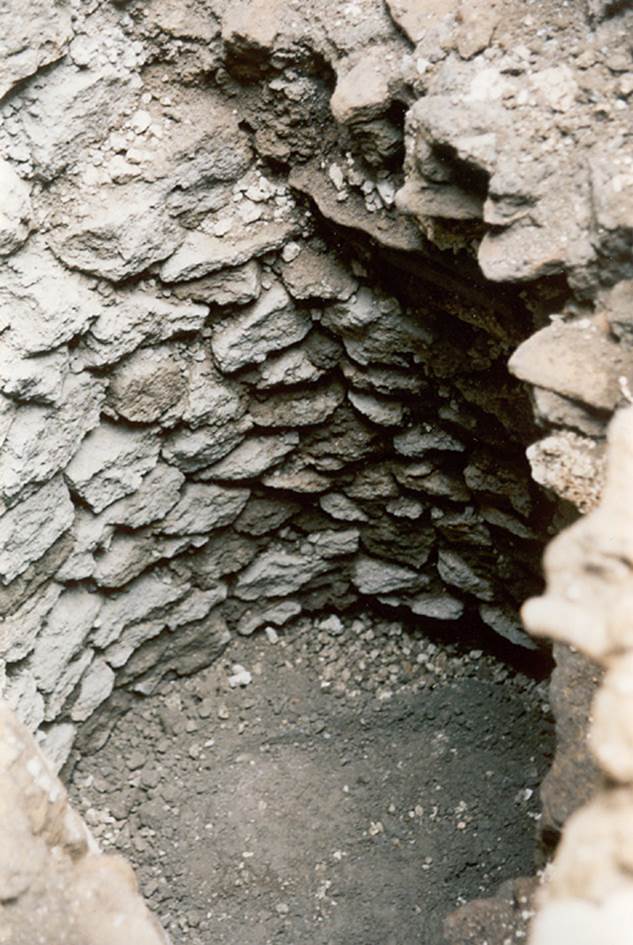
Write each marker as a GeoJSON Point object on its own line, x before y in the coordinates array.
{"type": "Point", "coordinates": [237, 383]}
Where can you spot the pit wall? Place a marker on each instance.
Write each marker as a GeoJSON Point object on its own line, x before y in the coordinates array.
{"type": "Point", "coordinates": [223, 401]}
{"type": "Point", "coordinates": [211, 419]}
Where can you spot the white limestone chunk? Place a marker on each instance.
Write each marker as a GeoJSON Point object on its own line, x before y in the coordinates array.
{"type": "Point", "coordinates": [44, 304]}
{"type": "Point", "coordinates": [388, 413]}
{"type": "Point", "coordinates": [148, 597]}
{"type": "Point", "coordinates": [341, 508]}
{"type": "Point", "coordinates": [111, 464]}
{"type": "Point", "coordinates": [63, 635]}
{"type": "Point", "coordinates": [15, 209]}
{"type": "Point", "coordinates": [278, 613]}
{"type": "Point", "coordinates": [268, 325]}
{"type": "Point", "coordinates": [458, 573]}
{"type": "Point", "coordinates": [203, 507]}
{"type": "Point", "coordinates": [29, 529]}
{"type": "Point", "coordinates": [201, 254]}
{"type": "Point", "coordinates": [417, 441]}
{"type": "Point", "coordinates": [96, 685]}
{"type": "Point", "coordinates": [252, 457]}
{"type": "Point", "coordinates": [138, 318]}
{"type": "Point", "coordinates": [42, 440]}
{"type": "Point", "coordinates": [375, 576]}
{"type": "Point", "coordinates": [33, 41]}
{"type": "Point", "coordinates": [19, 631]}
{"type": "Point", "coordinates": [39, 378]}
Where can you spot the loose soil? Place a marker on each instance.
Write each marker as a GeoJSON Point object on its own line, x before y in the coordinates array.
{"type": "Point", "coordinates": [363, 784]}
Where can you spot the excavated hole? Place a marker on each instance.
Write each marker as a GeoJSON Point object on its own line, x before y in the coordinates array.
{"type": "Point", "coordinates": [364, 784]}
{"type": "Point", "coordinates": [378, 769]}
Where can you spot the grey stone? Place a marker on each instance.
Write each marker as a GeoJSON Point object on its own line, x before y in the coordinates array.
{"type": "Point", "coordinates": [278, 613]}
{"type": "Point", "coordinates": [562, 412]}
{"type": "Point", "coordinates": [39, 378]}
{"type": "Point", "coordinates": [415, 18]}
{"type": "Point", "coordinates": [463, 526]}
{"type": "Point", "coordinates": [19, 631]}
{"type": "Point", "coordinates": [477, 22]}
{"type": "Point", "coordinates": [22, 696]}
{"type": "Point", "coordinates": [89, 533]}
{"type": "Point", "coordinates": [424, 477]}
{"type": "Point", "coordinates": [375, 329]}
{"type": "Point", "coordinates": [138, 318]}
{"type": "Point", "coordinates": [202, 254]}
{"type": "Point", "coordinates": [507, 522]}
{"type": "Point", "coordinates": [111, 463]}
{"type": "Point", "coordinates": [374, 482]}
{"type": "Point", "coordinates": [506, 622]}
{"type": "Point", "coordinates": [290, 367]}
{"type": "Point", "coordinates": [203, 507]}
{"type": "Point", "coordinates": [264, 515]}
{"type": "Point", "coordinates": [128, 555]}
{"type": "Point", "coordinates": [33, 41]}
{"type": "Point", "coordinates": [148, 597]}
{"type": "Point", "coordinates": [146, 385]}
{"type": "Point", "coordinates": [405, 507]}
{"type": "Point", "coordinates": [237, 286]}
{"type": "Point", "coordinates": [484, 475]}
{"type": "Point", "coordinates": [363, 90]}
{"type": "Point", "coordinates": [389, 230]}
{"type": "Point", "coordinates": [30, 528]}
{"type": "Point", "coordinates": [44, 304]}
{"type": "Point", "coordinates": [279, 570]}
{"type": "Point", "coordinates": [437, 606]}
{"type": "Point", "coordinates": [42, 440]}
{"type": "Point", "coordinates": [212, 399]}
{"type": "Point", "coordinates": [319, 276]}
{"type": "Point", "coordinates": [385, 538]}
{"type": "Point", "coordinates": [15, 209]}
{"type": "Point", "coordinates": [269, 324]}
{"type": "Point", "coordinates": [68, 679]}
{"type": "Point", "coordinates": [618, 305]}
{"type": "Point", "coordinates": [196, 605]}
{"type": "Point", "coordinates": [193, 647]}
{"type": "Point", "coordinates": [73, 110]}
{"type": "Point", "coordinates": [252, 457]}
{"type": "Point", "coordinates": [117, 232]}
{"type": "Point", "coordinates": [155, 497]}
{"type": "Point", "coordinates": [383, 379]}
{"type": "Point", "coordinates": [388, 413]}
{"type": "Point", "coordinates": [192, 450]}
{"type": "Point", "coordinates": [375, 576]}
{"type": "Point", "coordinates": [224, 553]}
{"type": "Point", "coordinates": [457, 572]}
{"type": "Point", "coordinates": [96, 685]}
{"type": "Point", "coordinates": [57, 744]}
{"type": "Point", "coordinates": [295, 475]}
{"type": "Point", "coordinates": [63, 634]}
{"type": "Point", "coordinates": [417, 441]}
{"type": "Point", "coordinates": [577, 359]}
{"type": "Point", "coordinates": [341, 508]}
{"type": "Point", "coordinates": [298, 409]}
{"type": "Point", "coordinates": [36, 576]}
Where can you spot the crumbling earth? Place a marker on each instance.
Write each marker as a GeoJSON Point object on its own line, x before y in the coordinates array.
{"type": "Point", "coordinates": [362, 785]}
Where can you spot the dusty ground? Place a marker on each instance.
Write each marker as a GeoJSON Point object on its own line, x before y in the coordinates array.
{"type": "Point", "coordinates": [362, 785]}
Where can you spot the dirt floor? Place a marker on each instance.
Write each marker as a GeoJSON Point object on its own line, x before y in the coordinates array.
{"type": "Point", "coordinates": [359, 787]}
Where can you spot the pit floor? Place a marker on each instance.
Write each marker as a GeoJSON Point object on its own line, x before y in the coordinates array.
{"type": "Point", "coordinates": [365, 783]}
